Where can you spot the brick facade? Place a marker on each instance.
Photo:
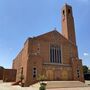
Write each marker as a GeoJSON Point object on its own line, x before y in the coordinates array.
{"type": "Point", "coordinates": [35, 54]}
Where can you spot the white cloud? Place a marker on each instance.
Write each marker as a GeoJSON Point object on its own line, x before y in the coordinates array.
{"type": "Point", "coordinates": [85, 54]}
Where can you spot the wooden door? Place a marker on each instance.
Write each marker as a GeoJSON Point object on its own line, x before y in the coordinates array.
{"type": "Point", "coordinates": [49, 74]}
{"type": "Point", "coordinates": [64, 75]}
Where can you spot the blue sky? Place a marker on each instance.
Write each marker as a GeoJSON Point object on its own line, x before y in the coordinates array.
{"type": "Point", "coordinates": [20, 19]}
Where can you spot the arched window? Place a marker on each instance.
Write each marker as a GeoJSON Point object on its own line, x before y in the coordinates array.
{"type": "Point", "coordinates": [69, 11]}
{"type": "Point", "coordinates": [63, 12]}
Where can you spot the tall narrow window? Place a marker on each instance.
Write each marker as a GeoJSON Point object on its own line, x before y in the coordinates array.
{"type": "Point", "coordinates": [63, 12]}
{"type": "Point", "coordinates": [59, 55]}
{"type": "Point", "coordinates": [51, 54]}
{"type": "Point", "coordinates": [55, 54]}
{"type": "Point", "coordinates": [69, 11]}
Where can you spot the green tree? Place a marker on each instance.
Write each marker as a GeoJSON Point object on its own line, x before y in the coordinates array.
{"type": "Point", "coordinates": [88, 70]}
{"type": "Point", "coordinates": [1, 67]}
{"type": "Point", "coordinates": [85, 69]}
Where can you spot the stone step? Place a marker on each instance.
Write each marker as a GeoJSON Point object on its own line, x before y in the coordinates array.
{"type": "Point", "coordinates": [62, 84]}
{"type": "Point", "coordinates": [1, 81]}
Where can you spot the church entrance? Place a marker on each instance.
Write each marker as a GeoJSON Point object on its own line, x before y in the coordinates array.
{"type": "Point", "coordinates": [49, 74]}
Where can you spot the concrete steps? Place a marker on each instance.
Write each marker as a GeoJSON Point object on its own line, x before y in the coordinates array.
{"type": "Point", "coordinates": [1, 81]}
{"type": "Point", "coordinates": [62, 84]}
{"type": "Point", "coordinates": [65, 84]}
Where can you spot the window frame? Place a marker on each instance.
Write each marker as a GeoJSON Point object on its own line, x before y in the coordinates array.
{"type": "Point", "coordinates": [55, 54]}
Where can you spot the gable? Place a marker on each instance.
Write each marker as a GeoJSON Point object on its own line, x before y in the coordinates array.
{"type": "Point", "coordinates": [51, 36]}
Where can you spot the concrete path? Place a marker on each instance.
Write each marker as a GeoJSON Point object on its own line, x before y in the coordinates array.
{"type": "Point", "coordinates": [78, 88]}
{"type": "Point", "coordinates": [8, 86]}
{"type": "Point", "coordinates": [65, 84]}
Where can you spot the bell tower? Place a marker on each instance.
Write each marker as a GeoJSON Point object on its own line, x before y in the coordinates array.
{"type": "Point", "coordinates": [68, 29]}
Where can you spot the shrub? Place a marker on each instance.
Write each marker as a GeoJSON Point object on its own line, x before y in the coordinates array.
{"type": "Point", "coordinates": [42, 87]}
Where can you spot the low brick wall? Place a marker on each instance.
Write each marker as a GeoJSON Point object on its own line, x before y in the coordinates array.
{"type": "Point", "coordinates": [9, 75]}
{"type": "Point", "coordinates": [1, 73]}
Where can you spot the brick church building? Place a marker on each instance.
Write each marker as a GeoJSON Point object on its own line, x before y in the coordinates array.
{"type": "Point", "coordinates": [52, 54]}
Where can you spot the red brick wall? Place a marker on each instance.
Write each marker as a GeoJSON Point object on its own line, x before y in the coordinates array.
{"type": "Point", "coordinates": [30, 57]}
{"type": "Point", "coordinates": [77, 64]}
{"type": "Point", "coordinates": [21, 61]}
